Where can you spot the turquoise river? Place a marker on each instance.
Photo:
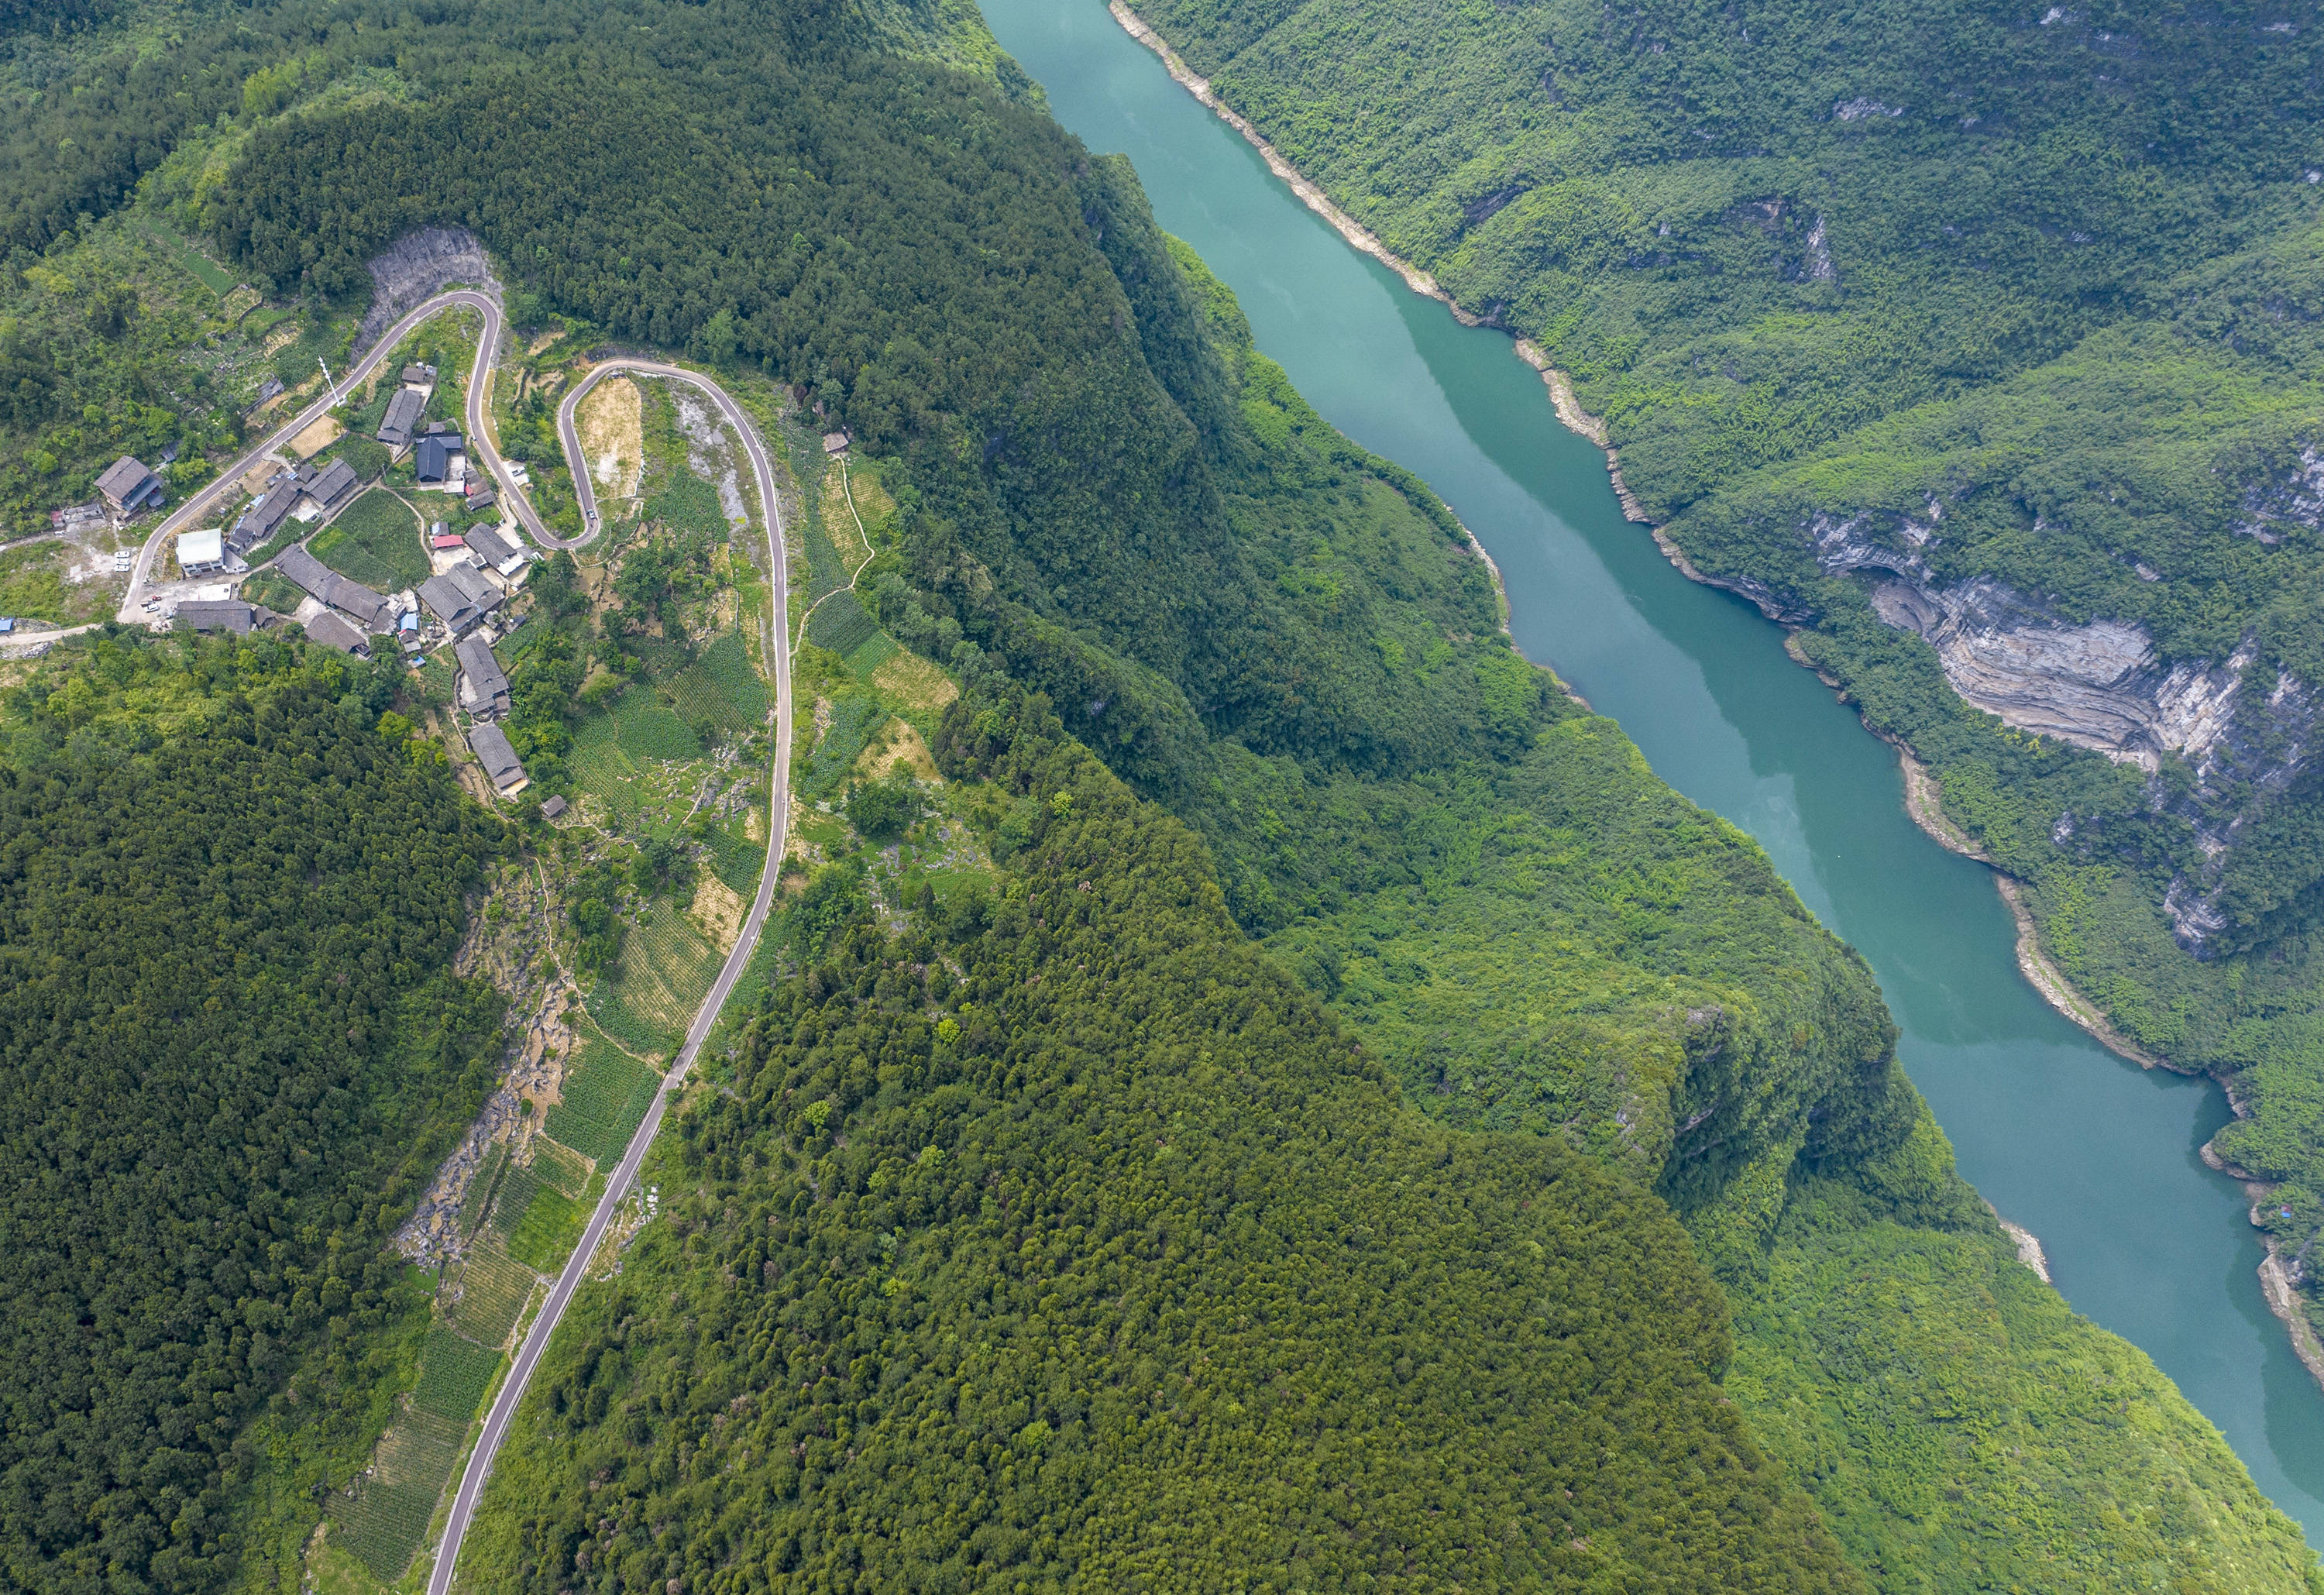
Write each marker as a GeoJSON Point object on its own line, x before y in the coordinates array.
{"type": "Point", "coordinates": [2092, 1154]}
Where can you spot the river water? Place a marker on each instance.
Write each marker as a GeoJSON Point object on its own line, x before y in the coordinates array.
{"type": "Point", "coordinates": [2094, 1155]}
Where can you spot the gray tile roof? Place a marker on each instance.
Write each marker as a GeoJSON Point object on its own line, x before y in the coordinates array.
{"type": "Point", "coordinates": [449, 602]}
{"type": "Point", "coordinates": [202, 614]}
{"type": "Point", "coordinates": [490, 545]}
{"type": "Point", "coordinates": [368, 608]}
{"type": "Point", "coordinates": [331, 632]}
{"type": "Point", "coordinates": [403, 415]}
{"type": "Point", "coordinates": [125, 481]}
{"type": "Point", "coordinates": [484, 688]}
{"type": "Point", "coordinates": [331, 485]}
{"type": "Point", "coordinates": [498, 758]}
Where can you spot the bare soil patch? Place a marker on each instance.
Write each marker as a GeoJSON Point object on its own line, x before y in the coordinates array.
{"type": "Point", "coordinates": [611, 424]}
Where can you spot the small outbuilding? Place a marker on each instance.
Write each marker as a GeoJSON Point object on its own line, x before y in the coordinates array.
{"type": "Point", "coordinates": [552, 808]}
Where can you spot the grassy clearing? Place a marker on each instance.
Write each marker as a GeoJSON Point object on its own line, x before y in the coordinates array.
{"type": "Point", "coordinates": [32, 583]}
{"type": "Point", "coordinates": [178, 253]}
{"type": "Point", "coordinates": [271, 588]}
{"type": "Point", "coordinates": [376, 541]}
{"type": "Point", "coordinates": [914, 686]}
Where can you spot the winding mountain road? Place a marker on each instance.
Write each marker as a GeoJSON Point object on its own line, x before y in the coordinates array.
{"type": "Point", "coordinates": [569, 435]}
{"type": "Point", "coordinates": [561, 1296]}
{"type": "Point", "coordinates": [222, 489]}
{"type": "Point", "coordinates": [479, 446]}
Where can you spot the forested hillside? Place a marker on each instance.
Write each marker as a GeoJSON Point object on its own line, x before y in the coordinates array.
{"type": "Point", "coordinates": [1111, 1261]}
{"type": "Point", "coordinates": [230, 1047]}
{"type": "Point", "coordinates": [1975, 325]}
{"type": "Point", "coordinates": [1108, 498]}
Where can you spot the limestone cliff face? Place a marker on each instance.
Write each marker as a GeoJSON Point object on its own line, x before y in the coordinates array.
{"type": "Point", "coordinates": [2100, 686]}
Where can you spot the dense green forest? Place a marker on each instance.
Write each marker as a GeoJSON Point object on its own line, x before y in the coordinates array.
{"type": "Point", "coordinates": [231, 1046]}
{"type": "Point", "coordinates": [1880, 295]}
{"type": "Point", "coordinates": [1107, 497]}
{"type": "Point", "coordinates": [1109, 1260]}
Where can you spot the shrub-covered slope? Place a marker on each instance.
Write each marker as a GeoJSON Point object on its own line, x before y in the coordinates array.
{"type": "Point", "coordinates": [230, 1043]}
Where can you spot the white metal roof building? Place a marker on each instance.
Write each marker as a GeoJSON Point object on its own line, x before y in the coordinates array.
{"type": "Point", "coordinates": [199, 551]}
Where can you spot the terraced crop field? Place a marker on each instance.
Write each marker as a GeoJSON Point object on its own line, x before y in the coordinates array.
{"type": "Point", "coordinates": [722, 687]}
{"type": "Point", "coordinates": [494, 1290]}
{"type": "Point", "coordinates": [480, 1188]}
{"type": "Point", "coordinates": [606, 1095]}
{"type": "Point", "coordinates": [384, 1522]}
{"type": "Point", "coordinates": [647, 728]}
{"type": "Point", "coordinates": [735, 859]}
{"type": "Point", "coordinates": [854, 717]}
{"type": "Point", "coordinates": [454, 1372]}
{"type": "Point", "coordinates": [560, 1168]}
{"type": "Point", "coordinates": [842, 624]}
{"type": "Point", "coordinates": [551, 1223]}
{"type": "Point", "coordinates": [643, 760]}
{"type": "Point", "coordinates": [519, 1188]}
{"type": "Point", "coordinates": [666, 968]}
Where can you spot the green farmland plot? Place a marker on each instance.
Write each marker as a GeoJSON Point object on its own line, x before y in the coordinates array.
{"type": "Point", "coordinates": [722, 687]}
{"type": "Point", "coordinates": [493, 1291]}
{"type": "Point", "coordinates": [454, 1372]}
{"type": "Point", "coordinates": [376, 541]}
{"type": "Point", "coordinates": [605, 1097]}
{"type": "Point", "coordinates": [552, 1223]}
{"type": "Point", "coordinates": [647, 728]}
{"type": "Point", "coordinates": [382, 1523]}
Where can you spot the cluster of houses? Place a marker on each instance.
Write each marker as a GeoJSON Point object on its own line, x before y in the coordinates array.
{"type": "Point", "coordinates": [326, 487]}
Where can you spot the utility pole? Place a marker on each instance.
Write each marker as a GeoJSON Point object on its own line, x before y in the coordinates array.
{"type": "Point", "coordinates": [330, 388]}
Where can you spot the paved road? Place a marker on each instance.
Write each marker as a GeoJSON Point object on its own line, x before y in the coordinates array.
{"type": "Point", "coordinates": [585, 490]}
{"type": "Point", "coordinates": [225, 487]}
{"type": "Point", "coordinates": [528, 1357]}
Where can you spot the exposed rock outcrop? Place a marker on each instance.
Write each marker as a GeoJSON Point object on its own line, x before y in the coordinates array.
{"type": "Point", "coordinates": [2100, 685]}
{"type": "Point", "coordinates": [415, 267]}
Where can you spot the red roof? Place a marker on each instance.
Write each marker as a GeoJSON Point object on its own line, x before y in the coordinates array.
{"type": "Point", "coordinates": [448, 541]}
